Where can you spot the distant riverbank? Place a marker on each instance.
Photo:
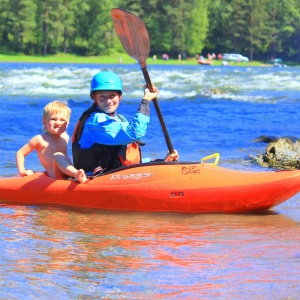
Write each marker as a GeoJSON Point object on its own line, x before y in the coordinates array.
{"type": "Point", "coordinates": [122, 58]}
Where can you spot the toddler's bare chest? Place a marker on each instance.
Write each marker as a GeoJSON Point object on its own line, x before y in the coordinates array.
{"type": "Point", "coordinates": [53, 146]}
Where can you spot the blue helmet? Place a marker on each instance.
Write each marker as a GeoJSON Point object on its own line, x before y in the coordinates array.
{"type": "Point", "coordinates": [106, 81]}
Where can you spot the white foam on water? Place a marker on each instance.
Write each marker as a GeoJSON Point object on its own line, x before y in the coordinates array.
{"type": "Point", "coordinates": [236, 84]}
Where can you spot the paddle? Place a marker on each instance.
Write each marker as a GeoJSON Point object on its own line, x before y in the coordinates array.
{"type": "Point", "coordinates": [133, 34]}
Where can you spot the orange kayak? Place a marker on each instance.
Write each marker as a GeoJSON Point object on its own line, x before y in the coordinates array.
{"type": "Point", "coordinates": [160, 187]}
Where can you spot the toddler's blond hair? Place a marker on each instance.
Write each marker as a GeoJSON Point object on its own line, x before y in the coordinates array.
{"type": "Point", "coordinates": [55, 107]}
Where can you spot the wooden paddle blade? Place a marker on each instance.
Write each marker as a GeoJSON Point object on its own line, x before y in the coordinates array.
{"type": "Point", "coordinates": [133, 34]}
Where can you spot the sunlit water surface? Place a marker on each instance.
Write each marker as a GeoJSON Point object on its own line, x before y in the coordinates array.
{"type": "Point", "coordinates": [57, 252]}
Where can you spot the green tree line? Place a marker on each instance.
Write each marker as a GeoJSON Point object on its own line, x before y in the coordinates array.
{"type": "Point", "coordinates": [259, 29]}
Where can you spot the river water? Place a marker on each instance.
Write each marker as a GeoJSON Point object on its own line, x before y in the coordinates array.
{"type": "Point", "coordinates": [56, 252]}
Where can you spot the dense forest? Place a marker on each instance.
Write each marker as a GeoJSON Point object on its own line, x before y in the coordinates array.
{"type": "Point", "coordinates": [259, 29]}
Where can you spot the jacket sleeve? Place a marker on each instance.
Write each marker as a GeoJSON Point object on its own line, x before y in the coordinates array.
{"type": "Point", "coordinates": [104, 129]}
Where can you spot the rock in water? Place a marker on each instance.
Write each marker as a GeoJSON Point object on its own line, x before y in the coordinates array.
{"type": "Point", "coordinates": [281, 154]}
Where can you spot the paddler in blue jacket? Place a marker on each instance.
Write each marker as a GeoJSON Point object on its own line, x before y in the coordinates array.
{"type": "Point", "coordinates": [104, 140]}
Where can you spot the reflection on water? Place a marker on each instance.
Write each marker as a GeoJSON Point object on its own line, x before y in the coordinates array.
{"type": "Point", "coordinates": [140, 256]}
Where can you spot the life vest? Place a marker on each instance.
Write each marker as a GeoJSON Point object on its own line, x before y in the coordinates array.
{"type": "Point", "coordinates": [99, 155]}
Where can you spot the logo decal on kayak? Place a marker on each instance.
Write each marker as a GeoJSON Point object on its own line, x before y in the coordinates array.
{"type": "Point", "coordinates": [190, 170]}
{"type": "Point", "coordinates": [137, 176]}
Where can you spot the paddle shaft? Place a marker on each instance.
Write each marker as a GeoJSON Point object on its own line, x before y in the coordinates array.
{"type": "Point", "coordinates": [158, 111]}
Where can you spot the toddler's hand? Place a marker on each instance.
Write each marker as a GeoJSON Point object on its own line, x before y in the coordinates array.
{"type": "Point", "coordinates": [27, 173]}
